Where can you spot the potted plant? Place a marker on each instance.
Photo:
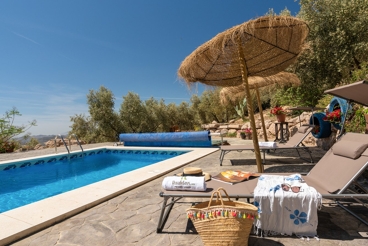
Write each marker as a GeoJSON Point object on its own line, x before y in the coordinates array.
{"type": "Point", "coordinates": [242, 134]}
{"type": "Point", "coordinates": [248, 132]}
{"type": "Point", "coordinates": [316, 129]}
{"type": "Point", "coordinates": [279, 112]}
{"type": "Point", "coordinates": [334, 117]}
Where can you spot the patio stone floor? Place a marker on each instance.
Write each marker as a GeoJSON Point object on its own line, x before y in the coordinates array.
{"type": "Point", "coordinates": [132, 218]}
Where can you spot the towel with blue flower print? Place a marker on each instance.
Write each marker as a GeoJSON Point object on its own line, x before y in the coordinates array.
{"type": "Point", "coordinates": [286, 206]}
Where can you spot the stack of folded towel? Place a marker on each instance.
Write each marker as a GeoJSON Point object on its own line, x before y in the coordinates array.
{"type": "Point", "coordinates": [192, 183]}
{"type": "Point", "coordinates": [267, 144]}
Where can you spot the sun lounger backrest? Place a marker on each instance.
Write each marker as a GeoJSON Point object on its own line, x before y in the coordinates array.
{"type": "Point", "coordinates": [335, 172]}
{"type": "Point", "coordinates": [299, 136]}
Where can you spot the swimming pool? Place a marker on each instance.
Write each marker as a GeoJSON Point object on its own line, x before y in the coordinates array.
{"type": "Point", "coordinates": [25, 220]}
{"type": "Point", "coordinates": [28, 181]}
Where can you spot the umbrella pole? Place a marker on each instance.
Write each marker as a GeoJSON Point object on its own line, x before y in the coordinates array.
{"type": "Point", "coordinates": [261, 114]}
{"type": "Point", "coordinates": [244, 73]}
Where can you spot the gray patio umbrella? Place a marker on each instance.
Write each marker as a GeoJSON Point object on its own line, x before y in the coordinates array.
{"type": "Point", "coordinates": [260, 47]}
{"type": "Point", "coordinates": [356, 92]}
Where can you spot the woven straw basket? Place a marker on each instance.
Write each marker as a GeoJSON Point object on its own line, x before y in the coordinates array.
{"type": "Point", "coordinates": [223, 222]}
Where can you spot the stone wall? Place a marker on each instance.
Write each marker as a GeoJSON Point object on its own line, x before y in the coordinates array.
{"type": "Point", "coordinates": [234, 128]}
{"type": "Point", "coordinates": [59, 142]}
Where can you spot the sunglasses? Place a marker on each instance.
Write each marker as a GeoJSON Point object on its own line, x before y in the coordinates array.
{"type": "Point", "coordinates": [287, 187]}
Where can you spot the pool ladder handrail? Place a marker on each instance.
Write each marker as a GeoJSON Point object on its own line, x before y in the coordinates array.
{"type": "Point", "coordinates": [66, 146]}
{"type": "Point", "coordinates": [55, 143]}
{"type": "Point", "coordinates": [76, 138]}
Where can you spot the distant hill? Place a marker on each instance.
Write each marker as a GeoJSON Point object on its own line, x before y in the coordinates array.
{"type": "Point", "coordinates": [43, 138]}
{"type": "Point", "coordinates": [40, 138]}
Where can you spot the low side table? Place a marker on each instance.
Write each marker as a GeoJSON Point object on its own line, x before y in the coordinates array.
{"type": "Point", "coordinates": [282, 129]}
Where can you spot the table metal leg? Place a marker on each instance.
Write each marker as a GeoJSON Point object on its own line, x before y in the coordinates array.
{"type": "Point", "coordinates": [222, 154]}
{"type": "Point", "coordinates": [282, 140]}
{"type": "Point", "coordinates": [276, 132]}
{"type": "Point", "coordinates": [165, 212]}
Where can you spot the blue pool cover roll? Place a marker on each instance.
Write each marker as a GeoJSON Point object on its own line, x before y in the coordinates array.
{"type": "Point", "coordinates": [167, 139]}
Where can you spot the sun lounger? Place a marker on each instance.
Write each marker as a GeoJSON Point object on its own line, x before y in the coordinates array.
{"type": "Point", "coordinates": [334, 177]}
{"type": "Point", "coordinates": [295, 142]}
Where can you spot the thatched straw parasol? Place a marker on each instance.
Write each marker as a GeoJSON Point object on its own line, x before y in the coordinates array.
{"type": "Point", "coordinates": [261, 47]}
{"type": "Point", "coordinates": [238, 92]}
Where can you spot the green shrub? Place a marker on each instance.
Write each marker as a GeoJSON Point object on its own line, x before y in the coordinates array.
{"type": "Point", "coordinates": [324, 101]}
{"type": "Point", "coordinates": [32, 143]}
{"type": "Point", "coordinates": [356, 121]}
{"type": "Point", "coordinates": [7, 147]}
{"type": "Point", "coordinates": [231, 135]}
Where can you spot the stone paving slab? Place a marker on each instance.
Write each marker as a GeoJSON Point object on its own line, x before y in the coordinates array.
{"type": "Point", "coordinates": [132, 218]}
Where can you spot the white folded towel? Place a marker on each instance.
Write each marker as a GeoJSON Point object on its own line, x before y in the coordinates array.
{"type": "Point", "coordinates": [267, 144]}
{"type": "Point", "coordinates": [192, 183]}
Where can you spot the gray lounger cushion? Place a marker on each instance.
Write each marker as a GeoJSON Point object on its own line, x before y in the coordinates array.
{"type": "Point", "coordinates": [349, 149]}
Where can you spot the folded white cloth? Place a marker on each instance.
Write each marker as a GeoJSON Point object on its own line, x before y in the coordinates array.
{"type": "Point", "coordinates": [192, 183]}
{"type": "Point", "coordinates": [267, 144]}
{"type": "Point", "coordinates": [285, 212]}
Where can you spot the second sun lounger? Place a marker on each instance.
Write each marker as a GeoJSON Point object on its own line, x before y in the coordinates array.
{"type": "Point", "coordinates": [295, 142]}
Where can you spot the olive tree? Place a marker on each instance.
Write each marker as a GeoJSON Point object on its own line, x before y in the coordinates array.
{"type": "Point", "coordinates": [208, 107]}
{"type": "Point", "coordinates": [103, 124]}
{"type": "Point", "coordinates": [87, 129]}
{"type": "Point", "coordinates": [137, 116]}
{"type": "Point", "coordinates": [186, 119]}
{"type": "Point", "coordinates": [337, 45]}
{"type": "Point", "coordinates": [8, 130]}
{"type": "Point", "coordinates": [133, 113]}
{"type": "Point", "coordinates": [158, 117]}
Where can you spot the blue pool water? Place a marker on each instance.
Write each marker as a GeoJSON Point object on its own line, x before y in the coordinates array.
{"type": "Point", "coordinates": [21, 186]}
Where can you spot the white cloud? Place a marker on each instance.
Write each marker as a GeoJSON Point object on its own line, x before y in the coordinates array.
{"type": "Point", "coordinates": [49, 107]}
{"type": "Point", "coordinates": [24, 37]}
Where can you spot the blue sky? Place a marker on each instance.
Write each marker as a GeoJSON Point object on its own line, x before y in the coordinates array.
{"type": "Point", "coordinates": [54, 52]}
